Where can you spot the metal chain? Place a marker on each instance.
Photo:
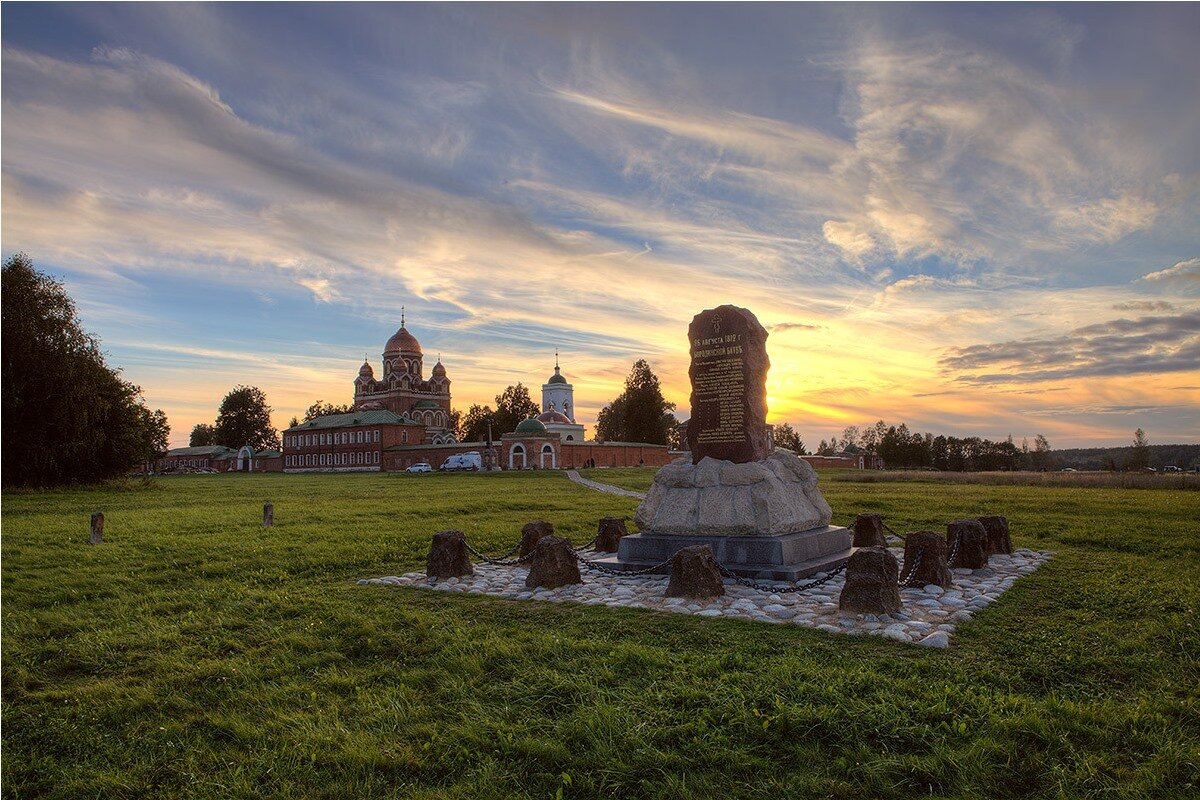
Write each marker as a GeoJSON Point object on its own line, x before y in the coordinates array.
{"type": "Point", "coordinates": [583, 547]}
{"type": "Point", "coordinates": [954, 551]}
{"type": "Point", "coordinates": [803, 587]}
{"type": "Point", "coordinates": [505, 560]}
{"type": "Point", "coordinates": [887, 528]}
{"type": "Point", "coordinates": [916, 564]}
{"type": "Point", "coordinates": [592, 565]}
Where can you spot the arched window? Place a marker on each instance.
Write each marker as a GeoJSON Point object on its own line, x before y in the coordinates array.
{"type": "Point", "coordinates": [547, 450]}
{"type": "Point", "coordinates": [516, 457]}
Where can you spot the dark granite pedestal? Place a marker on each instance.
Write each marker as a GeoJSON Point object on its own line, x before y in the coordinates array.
{"type": "Point", "coordinates": [788, 557]}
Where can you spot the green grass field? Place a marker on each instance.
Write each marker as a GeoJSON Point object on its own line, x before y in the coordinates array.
{"type": "Point", "coordinates": [196, 654]}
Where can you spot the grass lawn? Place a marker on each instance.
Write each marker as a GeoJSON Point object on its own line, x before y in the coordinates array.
{"type": "Point", "coordinates": [197, 655]}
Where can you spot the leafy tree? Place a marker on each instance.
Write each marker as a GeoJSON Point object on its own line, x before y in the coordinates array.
{"type": "Point", "coordinates": [826, 448]}
{"type": "Point", "coordinates": [245, 418]}
{"type": "Point", "coordinates": [1040, 457]}
{"type": "Point", "coordinates": [1139, 456]}
{"type": "Point", "coordinates": [787, 438]}
{"type": "Point", "coordinates": [472, 427]}
{"type": "Point", "coordinates": [512, 406]}
{"type": "Point", "coordinates": [202, 436]}
{"type": "Point", "coordinates": [850, 439]}
{"type": "Point", "coordinates": [323, 409]}
{"type": "Point", "coordinates": [66, 417]}
{"type": "Point", "coordinates": [640, 413]}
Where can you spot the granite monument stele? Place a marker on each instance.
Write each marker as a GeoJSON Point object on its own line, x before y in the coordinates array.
{"type": "Point", "coordinates": [759, 509]}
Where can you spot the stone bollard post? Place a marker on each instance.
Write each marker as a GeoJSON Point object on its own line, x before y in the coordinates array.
{"type": "Point", "coordinates": [870, 588]}
{"type": "Point", "coordinates": [931, 564]}
{"type": "Point", "coordinates": [608, 539]}
{"type": "Point", "coordinates": [868, 531]}
{"type": "Point", "coordinates": [972, 547]}
{"type": "Point", "coordinates": [268, 514]}
{"type": "Point", "coordinates": [448, 556]}
{"type": "Point", "coordinates": [96, 536]}
{"type": "Point", "coordinates": [694, 574]}
{"type": "Point", "coordinates": [532, 533]}
{"type": "Point", "coordinates": [553, 564]}
{"type": "Point", "coordinates": [999, 540]}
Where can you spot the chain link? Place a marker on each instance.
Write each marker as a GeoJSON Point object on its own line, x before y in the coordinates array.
{"type": "Point", "coordinates": [803, 587]}
{"type": "Point", "coordinates": [505, 560]}
{"type": "Point", "coordinates": [592, 565]}
{"type": "Point", "coordinates": [954, 551]}
{"type": "Point", "coordinates": [888, 528]}
{"type": "Point", "coordinates": [902, 581]}
{"type": "Point", "coordinates": [583, 547]}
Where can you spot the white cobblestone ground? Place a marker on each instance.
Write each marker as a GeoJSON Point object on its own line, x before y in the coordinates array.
{"type": "Point", "coordinates": [928, 617]}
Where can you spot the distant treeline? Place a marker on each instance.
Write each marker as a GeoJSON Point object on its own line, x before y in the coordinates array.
{"type": "Point", "coordinates": [1184, 456]}
{"type": "Point", "coordinates": [902, 448]}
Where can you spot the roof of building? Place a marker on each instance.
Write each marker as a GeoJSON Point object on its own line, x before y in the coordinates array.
{"type": "Point", "coordinates": [402, 342]}
{"type": "Point", "coordinates": [426, 404]}
{"type": "Point", "coordinates": [447, 446]}
{"type": "Point", "coordinates": [438, 368]}
{"type": "Point", "coordinates": [381, 417]}
{"type": "Point", "coordinates": [530, 425]}
{"type": "Point", "coordinates": [557, 377]}
{"type": "Point", "coordinates": [207, 450]}
{"type": "Point", "coordinates": [366, 370]}
{"type": "Point", "coordinates": [554, 418]}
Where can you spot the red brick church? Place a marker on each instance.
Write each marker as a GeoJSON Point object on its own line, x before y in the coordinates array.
{"type": "Point", "coordinates": [403, 418]}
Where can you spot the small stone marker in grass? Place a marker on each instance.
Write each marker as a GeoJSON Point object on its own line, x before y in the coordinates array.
{"type": "Point", "coordinates": [268, 514]}
{"type": "Point", "coordinates": [96, 535]}
{"type": "Point", "coordinates": [608, 539]}
{"type": "Point", "coordinates": [973, 543]}
{"type": "Point", "coordinates": [448, 556]}
{"type": "Point", "coordinates": [927, 549]}
{"type": "Point", "coordinates": [553, 564]}
{"type": "Point", "coordinates": [870, 587]}
{"type": "Point", "coordinates": [868, 531]}
{"type": "Point", "coordinates": [532, 533]}
{"type": "Point", "coordinates": [999, 540]}
{"type": "Point", "coordinates": [694, 574]}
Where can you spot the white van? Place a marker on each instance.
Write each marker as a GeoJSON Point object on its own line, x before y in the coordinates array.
{"type": "Point", "coordinates": [462, 462]}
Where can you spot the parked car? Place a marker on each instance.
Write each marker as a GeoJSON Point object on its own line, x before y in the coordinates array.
{"type": "Point", "coordinates": [462, 462]}
{"type": "Point", "coordinates": [1172, 469]}
{"type": "Point", "coordinates": [421, 467]}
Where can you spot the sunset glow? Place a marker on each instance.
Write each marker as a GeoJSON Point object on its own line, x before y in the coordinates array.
{"type": "Point", "coordinates": [978, 221]}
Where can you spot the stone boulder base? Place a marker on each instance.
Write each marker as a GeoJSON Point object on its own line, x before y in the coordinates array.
{"type": "Point", "coordinates": [448, 556]}
{"type": "Point", "coordinates": [973, 543]}
{"type": "Point", "coordinates": [870, 587]}
{"type": "Point", "coordinates": [932, 566]}
{"type": "Point", "coordinates": [772, 497]}
{"type": "Point", "coordinates": [999, 540]}
{"type": "Point", "coordinates": [608, 538]}
{"type": "Point", "coordinates": [868, 531]}
{"type": "Point", "coordinates": [532, 533]}
{"type": "Point", "coordinates": [553, 564]}
{"type": "Point", "coordinates": [694, 574]}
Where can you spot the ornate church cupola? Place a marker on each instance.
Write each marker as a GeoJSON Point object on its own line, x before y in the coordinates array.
{"type": "Point", "coordinates": [402, 352]}
{"type": "Point", "coordinates": [557, 394]}
{"type": "Point", "coordinates": [366, 374]}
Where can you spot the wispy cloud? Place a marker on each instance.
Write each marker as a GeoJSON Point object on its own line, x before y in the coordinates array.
{"type": "Point", "coordinates": [1161, 344]}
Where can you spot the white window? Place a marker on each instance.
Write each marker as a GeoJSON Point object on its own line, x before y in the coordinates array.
{"type": "Point", "coordinates": [360, 437]}
{"type": "Point", "coordinates": [376, 436]}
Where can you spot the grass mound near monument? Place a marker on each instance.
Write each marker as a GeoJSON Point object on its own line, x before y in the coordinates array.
{"type": "Point", "coordinates": [198, 654]}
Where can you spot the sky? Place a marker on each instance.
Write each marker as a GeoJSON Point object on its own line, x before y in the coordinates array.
{"type": "Point", "coordinates": [975, 219]}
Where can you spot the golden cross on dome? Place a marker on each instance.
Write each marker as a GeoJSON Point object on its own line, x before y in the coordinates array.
{"type": "Point", "coordinates": [401, 316]}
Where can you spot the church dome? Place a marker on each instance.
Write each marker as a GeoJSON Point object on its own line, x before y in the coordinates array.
{"type": "Point", "coordinates": [530, 425]}
{"type": "Point", "coordinates": [553, 418]}
{"type": "Point", "coordinates": [438, 369]}
{"type": "Point", "coordinates": [365, 370]}
{"type": "Point", "coordinates": [557, 376]}
{"type": "Point", "coordinates": [402, 342]}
